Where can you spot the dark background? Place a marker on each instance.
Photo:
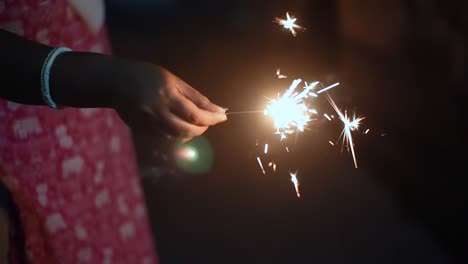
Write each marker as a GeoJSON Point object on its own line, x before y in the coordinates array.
{"type": "Point", "coordinates": [400, 63]}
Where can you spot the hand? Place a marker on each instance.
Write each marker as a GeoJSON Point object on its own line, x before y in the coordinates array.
{"type": "Point", "coordinates": [165, 102]}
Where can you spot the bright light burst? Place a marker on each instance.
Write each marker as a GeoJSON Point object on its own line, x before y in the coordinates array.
{"type": "Point", "coordinates": [290, 112]}
{"type": "Point", "coordinates": [289, 23]}
{"type": "Point", "coordinates": [350, 125]}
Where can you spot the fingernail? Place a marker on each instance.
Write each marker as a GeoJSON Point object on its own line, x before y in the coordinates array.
{"type": "Point", "coordinates": [222, 117]}
{"type": "Point", "coordinates": [222, 109]}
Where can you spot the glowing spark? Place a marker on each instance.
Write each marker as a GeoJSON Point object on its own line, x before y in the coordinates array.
{"type": "Point", "coordinates": [331, 143]}
{"type": "Point", "coordinates": [266, 148]}
{"type": "Point", "coordinates": [349, 126]}
{"type": "Point", "coordinates": [270, 164]}
{"type": "Point", "coordinates": [289, 111]}
{"type": "Point", "coordinates": [279, 75]}
{"type": "Point", "coordinates": [296, 183]}
{"type": "Point", "coordinates": [287, 149]}
{"type": "Point", "coordinates": [327, 116]}
{"type": "Point", "coordinates": [261, 165]}
{"type": "Point", "coordinates": [289, 23]}
{"type": "Point", "coordinates": [274, 167]}
{"type": "Point", "coordinates": [328, 88]}
{"type": "Point", "coordinates": [367, 131]}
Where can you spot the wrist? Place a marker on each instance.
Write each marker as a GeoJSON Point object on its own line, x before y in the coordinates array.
{"type": "Point", "coordinates": [85, 80]}
{"type": "Point", "coordinates": [135, 84]}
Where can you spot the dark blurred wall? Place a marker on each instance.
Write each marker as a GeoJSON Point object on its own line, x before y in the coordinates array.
{"type": "Point", "coordinates": [407, 62]}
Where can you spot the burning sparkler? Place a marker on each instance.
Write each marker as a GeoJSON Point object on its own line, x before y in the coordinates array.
{"type": "Point", "coordinates": [289, 112]}
{"type": "Point", "coordinates": [350, 124]}
{"type": "Point", "coordinates": [289, 23]}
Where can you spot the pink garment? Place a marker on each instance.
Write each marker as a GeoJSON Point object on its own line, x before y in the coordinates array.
{"type": "Point", "coordinates": [72, 172]}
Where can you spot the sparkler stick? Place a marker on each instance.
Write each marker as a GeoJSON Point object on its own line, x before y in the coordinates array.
{"type": "Point", "coordinates": [245, 112]}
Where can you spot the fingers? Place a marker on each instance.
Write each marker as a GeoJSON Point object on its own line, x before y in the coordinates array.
{"type": "Point", "coordinates": [182, 128]}
{"type": "Point", "coordinates": [200, 100]}
{"type": "Point", "coordinates": [190, 112]}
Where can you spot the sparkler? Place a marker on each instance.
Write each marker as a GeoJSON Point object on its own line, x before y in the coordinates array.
{"type": "Point", "coordinates": [350, 124]}
{"type": "Point", "coordinates": [289, 23]}
{"type": "Point", "coordinates": [290, 112]}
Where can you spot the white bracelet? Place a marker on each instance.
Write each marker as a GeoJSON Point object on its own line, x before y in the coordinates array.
{"type": "Point", "coordinates": [45, 75]}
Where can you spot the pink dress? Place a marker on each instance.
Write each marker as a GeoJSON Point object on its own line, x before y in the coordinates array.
{"type": "Point", "coordinates": [72, 172]}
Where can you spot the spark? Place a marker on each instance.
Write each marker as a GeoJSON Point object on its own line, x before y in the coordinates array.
{"type": "Point", "coordinates": [350, 124]}
{"type": "Point", "coordinates": [289, 111]}
{"type": "Point", "coordinates": [296, 183]}
{"type": "Point", "coordinates": [289, 23]}
{"type": "Point", "coordinates": [261, 165]}
{"type": "Point", "coordinates": [279, 75]}
{"type": "Point", "coordinates": [367, 131]}
{"type": "Point", "coordinates": [331, 143]}
{"type": "Point", "coordinates": [328, 88]}
{"type": "Point", "coordinates": [266, 148]}
{"type": "Point", "coordinates": [327, 116]}
{"type": "Point", "coordinates": [274, 167]}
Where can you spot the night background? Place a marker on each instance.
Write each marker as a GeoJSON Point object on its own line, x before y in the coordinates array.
{"type": "Point", "coordinates": [402, 64]}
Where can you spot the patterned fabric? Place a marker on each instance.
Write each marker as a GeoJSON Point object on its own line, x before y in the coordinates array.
{"type": "Point", "coordinates": [71, 172]}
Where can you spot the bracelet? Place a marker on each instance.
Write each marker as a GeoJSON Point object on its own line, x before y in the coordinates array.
{"type": "Point", "coordinates": [45, 75]}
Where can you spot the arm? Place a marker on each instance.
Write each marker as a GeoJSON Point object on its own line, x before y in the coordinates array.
{"type": "Point", "coordinates": [142, 93]}
{"type": "Point", "coordinates": [78, 79]}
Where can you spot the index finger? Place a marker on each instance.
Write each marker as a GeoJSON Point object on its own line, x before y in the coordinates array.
{"type": "Point", "coordinates": [200, 100]}
{"type": "Point", "coordinates": [190, 112]}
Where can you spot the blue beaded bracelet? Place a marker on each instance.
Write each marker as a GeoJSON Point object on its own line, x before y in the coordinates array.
{"type": "Point", "coordinates": [45, 75]}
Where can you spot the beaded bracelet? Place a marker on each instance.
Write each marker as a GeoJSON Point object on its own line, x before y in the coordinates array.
{"type": "Point", "coordinates": [45, 75]}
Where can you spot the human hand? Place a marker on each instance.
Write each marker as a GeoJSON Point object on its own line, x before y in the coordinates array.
{"type": "Point", "coordinates": [163, 102]}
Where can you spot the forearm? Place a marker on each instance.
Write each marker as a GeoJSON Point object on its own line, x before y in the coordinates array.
{"type": "Point", "coordinates": [20, 69]}
{"type": "Point", "coordinates": [77, 79]}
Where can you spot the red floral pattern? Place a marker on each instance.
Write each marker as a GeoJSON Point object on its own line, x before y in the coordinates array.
{"type": "Point", "coordinates": [72, 172]}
